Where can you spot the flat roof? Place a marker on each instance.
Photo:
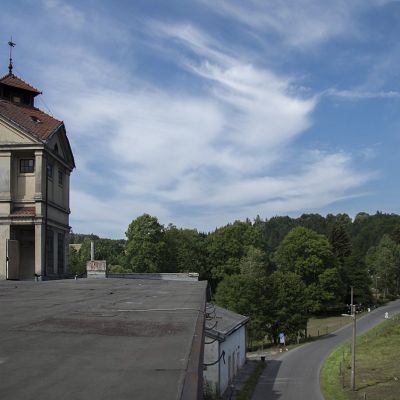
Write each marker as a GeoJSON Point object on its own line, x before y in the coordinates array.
{"type": "Point", "coordinates": [99, 338]}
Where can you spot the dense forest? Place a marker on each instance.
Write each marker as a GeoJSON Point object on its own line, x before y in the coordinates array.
{"type": "Point", "coordinates": [279, 271]}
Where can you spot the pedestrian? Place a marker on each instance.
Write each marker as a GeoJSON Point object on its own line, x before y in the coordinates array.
{"type": "Point", "coordinates": [282, 341]}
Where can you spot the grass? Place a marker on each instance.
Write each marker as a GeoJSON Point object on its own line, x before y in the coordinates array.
{"type": "Point", "coordinates": [324, 325]}
{"type": "Point", "coordinates": [247, 392]}
{"type": "Point", "coordinates": [377, 366]}
{"type": "Point", "coordinates": [316, 326]}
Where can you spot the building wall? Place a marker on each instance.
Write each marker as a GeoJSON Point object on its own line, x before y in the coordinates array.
{"type": "Point", "coordinates": [235, 356]}
{"type": "Point", "coordinates": [219, 375]}
{"type": "Point", "coordinates": [211, 373]}
{"type": "Point", "coordinates": [29, 190]}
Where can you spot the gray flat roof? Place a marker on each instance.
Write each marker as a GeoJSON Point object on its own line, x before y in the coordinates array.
{"type": "Point", "coordinates": [226, 321]}
{"type": "Point", "coordinates": [99, 338]}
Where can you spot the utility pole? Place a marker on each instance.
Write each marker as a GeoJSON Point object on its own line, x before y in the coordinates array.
{"type": "Point", "coordinates": [353, 347]}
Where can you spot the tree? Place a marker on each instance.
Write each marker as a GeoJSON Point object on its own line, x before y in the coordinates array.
{"type": "Point", "coordinates": [254, 263]}
{"type": "Point", "coordinates": [340, 241]}
{"type": "Point", "coordinates": [245, 295]}
{"type": "Point", "coordinates": [145, 246]}
{"type": "Point", "coordinates": [288, 312]}
{"type": "Point", "coordinates": [309, 255]}
{"type": "Point", "coordinates": [186, 250]}
{"type": "Point", "coordinates": [227, 245]}
{"type": "Point", "coordinates": [384, 262]}
{"type": "Point", "coordinates": [358, 276]}
{"type": "Point", "coordinates": [304, 252]}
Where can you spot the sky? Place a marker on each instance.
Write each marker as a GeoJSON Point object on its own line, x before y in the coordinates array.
{"type": "Point", "coordinates": [202, 112]}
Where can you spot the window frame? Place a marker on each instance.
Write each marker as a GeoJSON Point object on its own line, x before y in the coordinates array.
{"type": "Point", "coordinates": [23, 169]}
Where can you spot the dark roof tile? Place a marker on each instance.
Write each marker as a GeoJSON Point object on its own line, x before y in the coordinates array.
{"type": "Point", "coordinates": [14, 81]}
{"type": "Point", "coordinates": [32, 120]}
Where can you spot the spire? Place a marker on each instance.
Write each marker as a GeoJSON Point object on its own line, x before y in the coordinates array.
{"type": "Point", "coordinates": [10, 66]}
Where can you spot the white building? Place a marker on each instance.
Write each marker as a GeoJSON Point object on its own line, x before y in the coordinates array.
{"type": "Point", "coordinates": [225, 347]}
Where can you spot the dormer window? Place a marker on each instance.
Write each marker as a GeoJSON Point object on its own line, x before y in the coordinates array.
{"type": "Point", "coordinates": [26, 165]}
{"type": "Point", "coordinates": [35, 119]}
{"type": "Point", "coordinates": [16, 99]}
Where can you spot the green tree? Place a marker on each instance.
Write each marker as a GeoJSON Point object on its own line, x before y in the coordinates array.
{"type": "Point", "coordinates": [289, 303]}
{"type": "Point", "coordinates": [340, 241]}
{"type": "Point", "coordinates": [145, 245]}
{"type": "Point", "coordinates": [227, 245]}
{"type": "Point", "coordinates": [245, 295]}
{"type": "Point", "coordinates": [309, 255]}
{"type": "Point", "coordinates": [384, 262]}
{"type": "Point", "coordinates": [186, 250]}
{"type": "Point", "coordinates": [358, 276]}
{"type": "Point", "coordinates": [254, 263]}
{"type": "Point", "coordinates": [304, 252]}
{"type": "Point", "coordinates": [76, 267]}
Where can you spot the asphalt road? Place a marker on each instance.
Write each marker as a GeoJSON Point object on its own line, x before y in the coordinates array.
{"type": "Point", "coordinates": [295, 375]}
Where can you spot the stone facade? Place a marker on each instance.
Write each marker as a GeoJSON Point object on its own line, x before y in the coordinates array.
{"type": "Point", "coordinates": [35, 166]}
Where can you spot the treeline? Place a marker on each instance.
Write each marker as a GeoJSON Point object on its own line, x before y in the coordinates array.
{"type": "Point", "coordinates": [279, 271]}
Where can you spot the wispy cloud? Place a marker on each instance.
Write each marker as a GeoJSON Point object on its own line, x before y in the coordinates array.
{"type": "Point", "coordinates": [357, 94]}
{"type": "Point", "coordinates": [299, 23]}
{"type": "Point", "coordinates": [197, 158]}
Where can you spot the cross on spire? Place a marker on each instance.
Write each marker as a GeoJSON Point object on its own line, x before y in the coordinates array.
{"type": "Point", "coordinates": [10, 66]}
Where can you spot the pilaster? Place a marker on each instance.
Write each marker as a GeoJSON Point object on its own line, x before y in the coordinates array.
{"type": "Point", "coordinates": [5, 182]}
{"type": "Point", "coordinates": [39, 249]}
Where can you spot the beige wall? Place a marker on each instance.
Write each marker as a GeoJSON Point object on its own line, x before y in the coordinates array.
{"type": "Point", "coordinates": [22, 184]}
{"type": "Point", "coordinates": [11, 136]}
{"type": "Point", "coordinates": [29, 189]}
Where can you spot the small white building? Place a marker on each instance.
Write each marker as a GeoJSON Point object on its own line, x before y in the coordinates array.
{"type": "Point", "coordinates": [225, 347]}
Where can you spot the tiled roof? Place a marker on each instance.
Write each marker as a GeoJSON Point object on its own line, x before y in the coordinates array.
{"type": "Point", "coordinates": [31, 119]}
{"type": "Point", "coordinates": [23, 212]}
{"type": "Point", "coordinates": [14, 81]}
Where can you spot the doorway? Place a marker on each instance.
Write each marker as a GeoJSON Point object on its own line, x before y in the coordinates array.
{"type": "Point", "coordinates": [25, 235]}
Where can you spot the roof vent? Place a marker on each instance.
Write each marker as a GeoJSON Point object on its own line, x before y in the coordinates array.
{"type": "Point", "coordinates": [36, 120]}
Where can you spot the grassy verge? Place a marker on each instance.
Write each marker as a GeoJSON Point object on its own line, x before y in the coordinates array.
{"type": "Point", "coordinates": [377, 366]}
{"type": "Point", "coordinates": [247, 392]}
{"type": "Point", "coordinates": [322, 326]}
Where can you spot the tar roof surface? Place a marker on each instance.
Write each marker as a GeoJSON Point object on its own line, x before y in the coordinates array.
{"type": "Point", "coordinates": [227, 321]}
{"type": "Point", "coordinates": [93, 339]}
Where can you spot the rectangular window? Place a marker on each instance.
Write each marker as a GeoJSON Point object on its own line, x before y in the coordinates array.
{"type": "Point", "coordinates": [50, 169]}
{"type": "Point", "coordinates": [26, 165]}
{"type": "Point", "coordinates": [60, 177]}
{"type": "Point", "coordinates": [60, 253]}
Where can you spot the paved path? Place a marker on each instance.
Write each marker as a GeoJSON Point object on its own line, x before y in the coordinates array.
{"type": "Point", "coordinates": [295, 374]}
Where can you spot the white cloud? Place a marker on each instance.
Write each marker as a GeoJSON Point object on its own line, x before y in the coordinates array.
{"type": "Point", "coordinates": [65, 13]}
{"type": "Point", "coordinates": [197, 159]}
{"type": "Point", "coordinates": [360, 94]}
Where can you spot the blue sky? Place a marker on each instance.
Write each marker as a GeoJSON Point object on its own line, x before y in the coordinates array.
{"type": "Point", "coordinates": [201, 112]}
